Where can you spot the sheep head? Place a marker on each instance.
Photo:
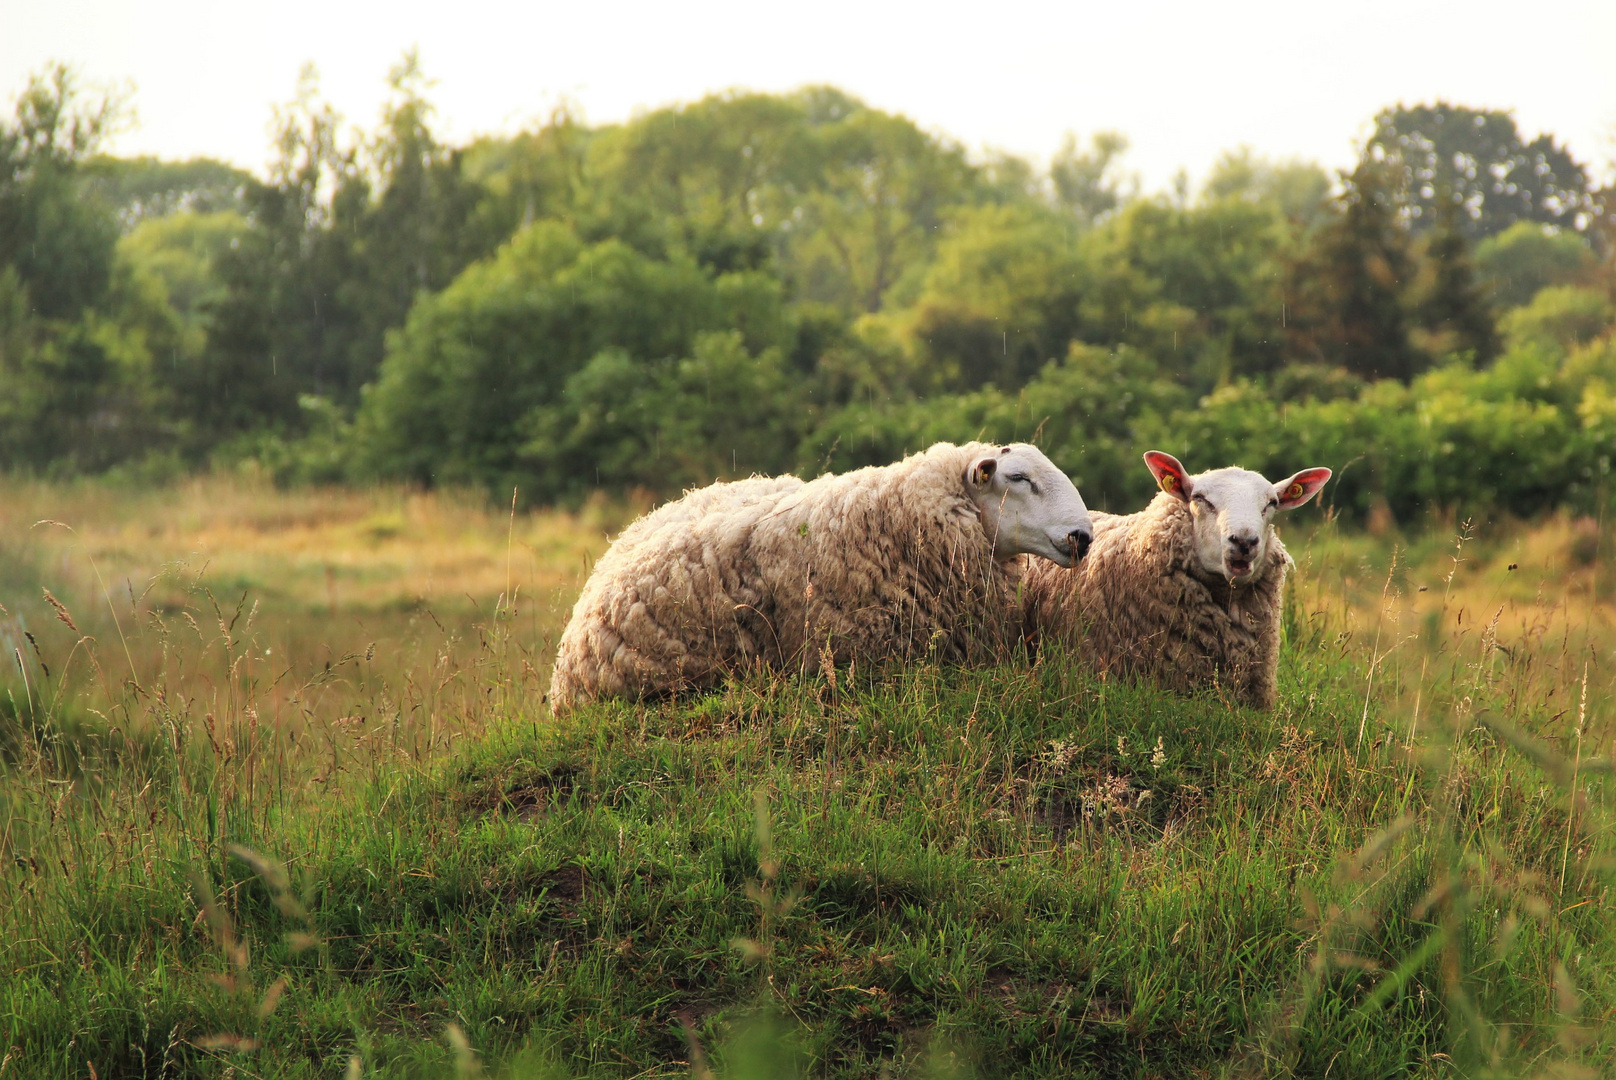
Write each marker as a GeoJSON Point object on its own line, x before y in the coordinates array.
{"type": "Point", "coordinates": [1028, 506]}
{"type": "Point", "coordinates": [1232, 511]}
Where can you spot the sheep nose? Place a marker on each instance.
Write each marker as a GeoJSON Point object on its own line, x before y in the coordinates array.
{"type": "Point", "coordinates": [1245, 545]}
{"type": "Point", "coordinates": [1080, 539]}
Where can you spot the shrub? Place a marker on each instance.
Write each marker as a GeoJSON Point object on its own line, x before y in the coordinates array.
{"type": "Point", "coordinates": [667, 425]}
{"type": "Point", "coordinates": [481, 367]}
{"type": "Point", "coordinates": [1527, 257]}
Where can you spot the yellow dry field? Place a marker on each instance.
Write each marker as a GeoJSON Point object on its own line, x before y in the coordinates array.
{"type": "Point", "coordinates": [437, 611]}
{"type": "Point", "coordinates": [309, 610]}
{"type": "Point", "coordinates": [348, 552]}
{"type": "Point", "coordinates": [1522, 592]}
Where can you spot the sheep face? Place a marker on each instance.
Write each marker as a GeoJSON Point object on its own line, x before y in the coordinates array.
{"type": "Point", "coordinates": [1231, 511]}
{"type": "Point", "coordinates": [1028, 506]}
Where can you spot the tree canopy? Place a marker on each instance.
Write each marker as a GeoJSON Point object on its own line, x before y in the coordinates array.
{"type": "Point", "coordinates": [1477, 161]}
{"type": "Point", "coordinates": [773, 282]}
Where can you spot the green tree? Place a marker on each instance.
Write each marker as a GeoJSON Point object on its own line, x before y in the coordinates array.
{"type": "Point", "coordinates": [1089, 184]}
{"type": "Point", "coordinates": [1001, 298]}
{"type": "Point", "coordinates": [76, 331]}
{"type": "Point", "coordinates": [147, 189]}
{"type": "Point", "coordinates": [1210, 276]}
{"type": "Point", "coordinates": [415, 233]}
{"type": "Point", "coordinates": [711, 180]}
{"type": "Point", "coordinates": [1527, 257]}
{"type": "Point", "coordinates": [882, 189]}
{"type": "Point", "coordinates": [1091, 411]}
{"type": "Point", "coordinates": [1449, 303]}
{"type": "Point", "coordinates": [279, 330]}
{"type": "Point", "coordinates": [664, 426]}
{"type": "Point", "coordinates": [343, 239]}
{"type": "Point", "coordinates": [1299, 190]}
{"type": "Point", "coordinates": [1477, 159]}
{"type": "Point", "coordinates": [181, 251]}
{"type": "Point", "coordinates": [57, 236]}
{"type": "Point", "coordinates": [534, 175]}
{"type": "Point", "coordinates": [1345, 293]}
{"type": "Point", "coordinates": [1561, 317]}
{"type": "Point", "coordinates": [79, 396]}
{"type": "Point", "coordinates": [465, 381]}
{"type": "Point", "coordinates": [839, 200]}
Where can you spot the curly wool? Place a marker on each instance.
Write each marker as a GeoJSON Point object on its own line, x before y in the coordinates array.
{"type": "Point", "coordinates": [1139, 606]}
{"type": "Point", "coordinates": [883, 562]}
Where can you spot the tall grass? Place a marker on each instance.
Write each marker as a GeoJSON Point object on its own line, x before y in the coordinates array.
{"type": "Point", "coordinates": [224, 851]}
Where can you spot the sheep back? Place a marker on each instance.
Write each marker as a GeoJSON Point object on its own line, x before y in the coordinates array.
{"type": "Point", "coordinates": [669, 602]}
{"type": "Point", "coordinates": [882, 562]}
{"type": "Point", "coordinates": [886, 562]}
{"type": "Point", "coordinates": [1137, 607]}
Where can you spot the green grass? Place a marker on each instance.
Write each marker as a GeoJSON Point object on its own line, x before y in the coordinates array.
{"type": "Point", "coordinates": [225, 853]}
{"type": "Point", "coordinates": [1034, 873]}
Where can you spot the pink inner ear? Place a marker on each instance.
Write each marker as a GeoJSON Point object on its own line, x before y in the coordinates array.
{"type": "Point", "coordinates": [1302, 487]}
{"type": "Point", "coordinates": [1168, 472]}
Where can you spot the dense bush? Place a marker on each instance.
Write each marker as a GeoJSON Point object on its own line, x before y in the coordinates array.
{"type": "Point", "coordinates": [1092, 413]}
{"type": "Point", "coordinates": [668, 424]}
{"type": "Point", "coordinates": [573, 341]}
{"type": "Point", "coordinates": [1527, 257]}
{"type": "Point", "coordinates": [1535, 430]}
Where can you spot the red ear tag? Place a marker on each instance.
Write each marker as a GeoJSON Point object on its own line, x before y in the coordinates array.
{"type": "Point", "coordinates": [1294, 492]}
{"type": "Point", "coordinates": [1169, 483]}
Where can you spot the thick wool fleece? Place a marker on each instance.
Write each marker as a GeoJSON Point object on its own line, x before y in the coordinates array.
{"type": "Point", "coordinates": [1140, 606]}
{"type": "Point", "coordinates": [883, 562]}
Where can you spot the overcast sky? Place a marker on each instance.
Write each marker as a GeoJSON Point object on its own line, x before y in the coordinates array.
{"type": "Point", "coordinates": [1183, 80]}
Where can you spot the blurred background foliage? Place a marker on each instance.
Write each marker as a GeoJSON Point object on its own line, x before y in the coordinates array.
{"type": "Point", "coordinates": [798, 282]}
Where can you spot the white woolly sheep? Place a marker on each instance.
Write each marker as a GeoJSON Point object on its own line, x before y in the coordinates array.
{"type": "Point", "coordinates": [1186, 592]}
{"type": "Point", "coordinates": [883, 562]}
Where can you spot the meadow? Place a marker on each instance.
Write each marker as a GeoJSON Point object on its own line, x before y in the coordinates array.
{"type": "Point", "coordinates": [280, 796]}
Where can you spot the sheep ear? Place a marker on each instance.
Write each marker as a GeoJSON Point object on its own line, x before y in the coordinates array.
{"type": "Point", "coordinates": [981, 473]}
{"type": "Point", "coordinates": [1300, 488]}
{"type": "Point", "coordinates": [1170, 475]}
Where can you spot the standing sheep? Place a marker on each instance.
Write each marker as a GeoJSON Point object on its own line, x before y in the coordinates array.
{"type": "Point", "coordinates": [1185, 592]}
{"type": "Point", "coordinates": [881, 562]}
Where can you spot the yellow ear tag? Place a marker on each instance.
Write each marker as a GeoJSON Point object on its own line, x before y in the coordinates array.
{"type": "Point", "coordinates": [1294, 492]}
{"type": "Point", "coordinates": [1169, 483]}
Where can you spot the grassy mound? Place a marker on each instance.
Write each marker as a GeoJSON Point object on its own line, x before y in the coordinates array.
{"type": "Point", "coordinates": [1019, 871]}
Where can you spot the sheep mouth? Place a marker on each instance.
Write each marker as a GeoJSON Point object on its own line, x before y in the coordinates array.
{"type": "Point", "coordinates": [1060, 557]}
{"type": "Point", "coordinates": [1239, 568]}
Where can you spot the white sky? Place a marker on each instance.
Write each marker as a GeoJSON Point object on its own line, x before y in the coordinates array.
{"type": "Point", "coordinates": [1183, 79]}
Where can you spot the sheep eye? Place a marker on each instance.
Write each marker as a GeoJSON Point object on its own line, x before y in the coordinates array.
{"type": "Point", "coordinates": [1204, 501]}
{"type": "Point", "coordinates": [1272, 503]}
